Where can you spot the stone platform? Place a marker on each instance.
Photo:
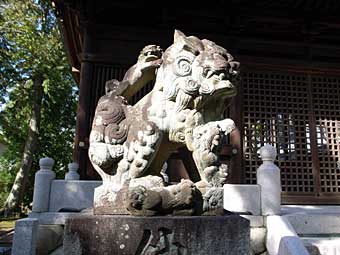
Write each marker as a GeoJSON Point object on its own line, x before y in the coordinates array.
{"type": "Point", "coordinates": [129, 235]}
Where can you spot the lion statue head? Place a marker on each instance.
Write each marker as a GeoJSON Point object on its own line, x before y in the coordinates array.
{"type": "Point", "coordinates": [194, 71]}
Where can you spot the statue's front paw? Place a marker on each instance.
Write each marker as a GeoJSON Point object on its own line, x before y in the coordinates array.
{"type": "Point", "coordinates": [100, 155]}
{"type": "Point", "coordinates": [141, 201]}
{"type": "Point", "coordinates": [223, 174]}
{"type": "Point", "coordinates": [151, 65]}
{"type": "Point", "coordinates": [216, 175]}
{"type": "Point", "coordinates": [202, 184]}
{"type": "Point", "coordinates": [226, 126]}
{"type": "Point", "coordinates": [213, 199]}
{"type": "Point", "coordinates": [136, 197]}
{"type": "Point", "coordinates": [215, 143]}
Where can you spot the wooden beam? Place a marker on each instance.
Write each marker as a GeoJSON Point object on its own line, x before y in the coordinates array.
{"type": "Point", "coordinates": [83, 112]}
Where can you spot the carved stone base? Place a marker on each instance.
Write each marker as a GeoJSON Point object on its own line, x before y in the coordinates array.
{"type": "Point", "coordinates": [126, 235]}
{"type": "Point", "coordinates": [157, 199]}
{"type": "Point", "coordinates": [212, 201]}
{"type": "Point", "coordinates": [110, 200]}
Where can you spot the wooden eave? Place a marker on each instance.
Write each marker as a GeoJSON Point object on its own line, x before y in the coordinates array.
{"type": "Point", "coordinates": [305, 22]}
{"type": "Point", "coordinates": [69, 22]}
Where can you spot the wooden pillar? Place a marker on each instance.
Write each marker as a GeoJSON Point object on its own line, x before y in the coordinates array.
{"type": "Point", "coordinates": [83, 112]}
{"type": "Point", "coordinates": [236, 173]}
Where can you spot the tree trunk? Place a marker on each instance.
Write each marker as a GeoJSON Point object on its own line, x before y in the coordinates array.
{"type": "Point", "coordinates": [15, 197]}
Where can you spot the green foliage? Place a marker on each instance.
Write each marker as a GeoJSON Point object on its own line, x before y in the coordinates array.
{"type": "Point", "coordinates": [7, 167]}
{"type": "Point", "coordinates": [30, 45]}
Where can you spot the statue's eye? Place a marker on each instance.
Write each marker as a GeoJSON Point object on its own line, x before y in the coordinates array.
{"type": "Point", "coordinates": [206, 71]}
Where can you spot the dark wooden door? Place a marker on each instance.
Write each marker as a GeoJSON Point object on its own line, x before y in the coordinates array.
{"type": "Point", "coordinates": [300, 115]}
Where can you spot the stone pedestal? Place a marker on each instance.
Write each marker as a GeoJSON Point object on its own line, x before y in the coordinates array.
{"type": "Point", "coordinates": [25, 237]}
{"type": "Point", "coordinates": [72, 172]}
{"type": "Point", "coordinates": [42, 185]}
{"type": "Point", "coordinates": [125, 235]}
{"type": "Point", "coordinates": [269, 178]}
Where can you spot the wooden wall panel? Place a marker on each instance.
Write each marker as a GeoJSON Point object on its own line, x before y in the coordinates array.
{"type": "Point", "coordinates": [280, 110]}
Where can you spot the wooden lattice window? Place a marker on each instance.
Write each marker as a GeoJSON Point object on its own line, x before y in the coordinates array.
{"type": "Point", "coordinates": [300, 115]}
{"type": "Point", "coordinates": [326, 95]}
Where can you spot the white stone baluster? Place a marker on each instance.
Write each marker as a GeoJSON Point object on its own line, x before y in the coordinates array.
{"type": "Point", "coordinates": [42, 185]}
{"type": "Point", "coordinates": [72, 172]}
{"type": "Point", "coordinates": [268, 177]}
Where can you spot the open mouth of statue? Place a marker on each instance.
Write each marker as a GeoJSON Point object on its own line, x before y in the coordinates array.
{"type": "Point", "coordinates": [151, 56]}
{"type": "Point", "coordinates": [217, 72]}
{"type": "Point", "coordinates": [218, 88]}
{"type": "Point", "coordinates": [212, 92]}
{"type": "Point", "coordinates": [217, 81]}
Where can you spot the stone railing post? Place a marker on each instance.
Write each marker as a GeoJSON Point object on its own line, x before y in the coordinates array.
{"type": "Point", "coordinates": [72, 172]}
{"type": "Point", "coordinates": [268, 177]}
{"type": "Point", "coordinates": [42, 185]}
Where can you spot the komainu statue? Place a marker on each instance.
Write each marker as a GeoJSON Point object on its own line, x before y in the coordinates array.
{"type": "Point", "coordinates": [129, 144]}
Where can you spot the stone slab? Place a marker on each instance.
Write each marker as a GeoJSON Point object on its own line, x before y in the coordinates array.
{"type": "Point", "coordinates": [315, 223]}
{"type": "Point", "coordinates": [25, 237]}
{"type": "Point", "coordinates": [125, 235]}
{"type": "Point", "coordinates": [243, 199]}
{"type": "Point", "coordinates": [322, 245]}
{"type": "Point", "coordinates": [310, 209]}
{"type": "Point", "coordinates": [58, 251]}
{"type": "Point", "coordinates": [292, 245]}
{"type": "Point", "coordinates": [282, 239]}
{"type": "Point", "coordinates": [258, 240]}
{"type": "Point", "coordinates": [75, 195]}
{"type": "Point", "coordinates": [56, 218]}
{"type": "Point", "coordinates": [255, 221]}
{"type": "Point", "coordinates": [50, 237]}
{"type": "Point", "coordinates": [109, 200]}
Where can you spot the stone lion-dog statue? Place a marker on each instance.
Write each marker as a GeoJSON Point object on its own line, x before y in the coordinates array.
{"type": "Point", "coordinates": [129, 144]}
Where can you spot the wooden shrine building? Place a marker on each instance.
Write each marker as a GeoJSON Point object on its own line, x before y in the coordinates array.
{"type": "Point", "coordinates": [289, 95]}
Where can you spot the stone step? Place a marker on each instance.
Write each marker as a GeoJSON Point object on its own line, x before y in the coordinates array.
{"type": "Point", "coordinates": [322, 245]}
{"type": "Point", "coordinates": [315, 224]}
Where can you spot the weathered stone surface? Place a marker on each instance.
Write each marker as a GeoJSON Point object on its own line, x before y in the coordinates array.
{"type": "Point", "coordinates": [193, 80]}
{"type": "Point", "coordinates": [49, 218]}
{"type": "Point", "coordinates": [255, 221]}
{"type": "Point", "coordinates": [49, 238]}
{"type": "Point", "coordinates": [310, 209]}
{"type": "Point", "coordinates": [58, 251]}
{"type": "Point", "coordinates": [126, 235]}
{"type": "Point", "coordinates": [212, 201]}
{"type": "Point", "coordinates": [281, 237]}
{"type": "Point", "coordinates": [180, 199]}
{"type": "Point", "coordinates": [292, 245]}
{"type": "Point", "coordinates": [315, 223]}
{"type": "Point", "coordinates": [318, 245]}
{"type": "Point", "coordinates": [258, 240]}
{"type": "Point", "coordinates": [109, 199]}
{"type": "Point", "coordinates": [241, 198]}
{"type": "Point", "coordinates": [25, 237]}
{"type": "Point", "coordinates": [72, 195]}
